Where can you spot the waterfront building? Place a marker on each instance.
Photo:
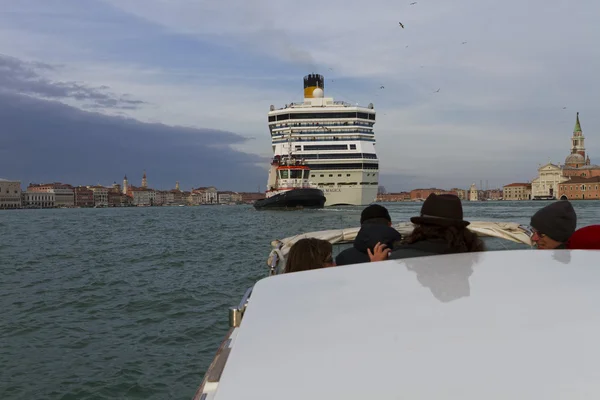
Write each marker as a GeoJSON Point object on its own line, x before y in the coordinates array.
{"type": "Point", "coordinates": [473, 193]}
{"type": "Point", "coordinates": [10, 194]}
{"type": "Point", "coordinates": [545, 186]}
{"type": "Point", "coordinates": [63, 193]}
{"type": "Point", "coordinates": [578, 188]}
{"type": "Point", "coordinates": [516, 191]}
{"type": "Point", "coordinates": [100, 195]}
{"type": "Point", "coordinates": [84, 197]}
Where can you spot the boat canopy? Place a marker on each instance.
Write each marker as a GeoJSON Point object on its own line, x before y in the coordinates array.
{"type": "Point", "coordinates": [517, 324]}
{"type": "Point", "coordinates": [504, 230]}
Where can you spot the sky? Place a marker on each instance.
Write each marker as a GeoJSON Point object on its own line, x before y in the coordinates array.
{"type": "Point", "coordinates": [91, 90]}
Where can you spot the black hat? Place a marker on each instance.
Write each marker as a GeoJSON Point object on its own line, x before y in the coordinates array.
{"type": "Point", "coordinates": [443, 210]}
{"type": "Point", "coordinates": [557, 220]}
{"type": "Point", "coordinates": [374, 211]}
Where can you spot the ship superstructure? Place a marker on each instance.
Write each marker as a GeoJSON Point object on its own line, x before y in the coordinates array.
{"type": "Point", "coordinates": [335, 139]}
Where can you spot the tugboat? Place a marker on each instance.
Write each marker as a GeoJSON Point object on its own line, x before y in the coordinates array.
{"type": "Point", "coordinates": [288, 186]}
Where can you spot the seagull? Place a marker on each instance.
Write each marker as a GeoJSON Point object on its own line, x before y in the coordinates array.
{"type": "Point", "coordinates": [401, 26]}
{"type": "Point", "coordinates": [406, 47]}
{"type": "Point", "coordinates": [413, 3]}
{"type": "Point", "coordinates": [331, 69]}
{"type": "Point", "coordinates": [381, 87]}
{"type": "Point", "coordinates": [437, 91]}
{"type": "Point", "coordinates": [464, 42]}
{"type": "Point", "coordinates": [564, 108]}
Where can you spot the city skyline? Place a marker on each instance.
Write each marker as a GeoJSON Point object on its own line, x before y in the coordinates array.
{"type": "Point", "coordinates": [183, 89]}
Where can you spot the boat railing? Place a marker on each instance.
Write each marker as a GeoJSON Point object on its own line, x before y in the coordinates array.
{"type": "Point", "coordinates": [236, 313]}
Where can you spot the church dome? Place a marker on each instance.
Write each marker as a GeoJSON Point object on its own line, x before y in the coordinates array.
{"type": "Point", "coordinates": [575, 159]}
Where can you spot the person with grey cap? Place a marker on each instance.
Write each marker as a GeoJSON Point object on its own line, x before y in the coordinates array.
{"type": "Point", "coordinates": [553, 225]}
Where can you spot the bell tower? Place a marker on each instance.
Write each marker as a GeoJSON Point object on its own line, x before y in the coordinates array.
{"type": "Point", "coordinates": [578, 140]}
{"type": "Point", "coordinates": [144, 181]}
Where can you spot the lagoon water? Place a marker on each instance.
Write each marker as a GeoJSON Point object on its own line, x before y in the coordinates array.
{"type": "Point", "coordinates": [132, 302]}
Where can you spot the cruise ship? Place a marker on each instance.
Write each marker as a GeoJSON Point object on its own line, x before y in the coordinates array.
{"type": "Point", "coordinates": [335, 139]}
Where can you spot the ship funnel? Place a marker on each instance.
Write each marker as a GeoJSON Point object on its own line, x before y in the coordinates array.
{"type": "Point", "coordinates": [312, 82]}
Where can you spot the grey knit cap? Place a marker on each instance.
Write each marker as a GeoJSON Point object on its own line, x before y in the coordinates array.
{"type": "Point", "coordinates": [557, 220]}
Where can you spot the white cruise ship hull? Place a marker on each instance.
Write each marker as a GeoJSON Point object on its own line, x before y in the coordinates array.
{"type": "Point", "coordinates": [355, 196]}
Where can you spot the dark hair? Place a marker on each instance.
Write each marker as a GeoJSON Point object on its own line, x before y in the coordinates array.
{"type": "Point", "coordinates": [458, 239]}
{"type": "Point", "coordinates": [309, 253]}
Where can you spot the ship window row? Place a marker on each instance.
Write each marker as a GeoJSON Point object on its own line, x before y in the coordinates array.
{"type": "Point", "coordinates": [308, 147]}
{"type": "Point", "coordinates": [323, 167]}
{"type": "Point", "coordinates": [327, 124]}
{"type": "Point", "coordinates": [322, 132]}
{"type": "Point", "coordinates": [339, 175]}
{"type": "Point", "coordinates": [285, 117]}
{"type": "Point", "coordinates": [333, 156]}
{"type": "Point", "coordinates": [299, 148]}
{"type": "Point", "coordinates": [293, 174]}
{"type": "Point", "coordinates": [324, 139]}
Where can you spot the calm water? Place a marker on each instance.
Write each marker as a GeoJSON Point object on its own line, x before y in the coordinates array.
{"type": "Point", "coordinates": [132, 303]}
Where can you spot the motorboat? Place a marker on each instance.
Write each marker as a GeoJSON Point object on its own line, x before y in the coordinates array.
{"type": "Point", "coordinates": [494, 325]}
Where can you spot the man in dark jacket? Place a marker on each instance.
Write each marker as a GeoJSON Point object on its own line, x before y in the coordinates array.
{"type": "Point", "coordinates": [375, 226]}
{"type": "Point", "coordinates": [553, 225]}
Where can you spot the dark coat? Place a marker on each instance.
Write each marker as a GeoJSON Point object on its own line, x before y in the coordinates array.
{"type": "Point", "coordinates": [368, 236]}
{"type": "Point", "coordinates": [422, 248]}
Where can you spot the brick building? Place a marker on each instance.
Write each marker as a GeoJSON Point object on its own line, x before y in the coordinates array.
{"type": "Point", "coordinates": [393, 197]}
{"type": "Point", "coordinates": [578, 188]}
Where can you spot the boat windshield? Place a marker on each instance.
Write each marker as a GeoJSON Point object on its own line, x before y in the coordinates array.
{"type": "Point", "coordinates": [306, 172]}
{"type": "Point", "coordinates": [283, 174]}
{"type": "Point", "coordinates": [296, 174]}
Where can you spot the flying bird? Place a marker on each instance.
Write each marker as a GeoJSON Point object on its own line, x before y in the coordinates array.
{"type": "Point", "coordinates": [437, 91]}
{"type": "Point", "coordinates": [564, 108]}
{"type": "Point", "coordinates": [413, 3]}
{"type": "Point", "coordinates": [464, 42]}
{"type": "Point", "coordinates": [401, 26]}
{"type": "Point", "coordinates": [381, 87]}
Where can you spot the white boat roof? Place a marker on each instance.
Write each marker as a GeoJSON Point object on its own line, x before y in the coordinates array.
{"type": "Point", "coordinates": [521, 324]}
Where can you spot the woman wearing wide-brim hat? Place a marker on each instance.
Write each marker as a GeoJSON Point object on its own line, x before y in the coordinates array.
{"type": "Point", "coordinates": [440, 229]}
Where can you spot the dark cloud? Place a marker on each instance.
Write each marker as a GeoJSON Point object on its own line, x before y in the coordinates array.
{"type": "Point", "coordinates": [46, 140]}
{"type": "Point", "coordinates": [17, 76]}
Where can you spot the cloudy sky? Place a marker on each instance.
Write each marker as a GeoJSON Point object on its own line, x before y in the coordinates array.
{"type": "Point", "coordinates": [91, 90]}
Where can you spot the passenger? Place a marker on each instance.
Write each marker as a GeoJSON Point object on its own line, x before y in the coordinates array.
{"type": "Point", "coordinates": [440, 229]}
{"type": "Point", "coordinates": [376, 227]}
{"type": "Point", "coordinates": [553, 225]}
{"type": "Point", "coordinates": [587, 238]}
{"type": "Point", "coordinates": [309, 253]}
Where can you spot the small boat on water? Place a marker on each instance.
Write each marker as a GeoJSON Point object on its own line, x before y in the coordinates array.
{"type": "Point", "coordinates": [289, 187]}
{"type": "Point", "coordinates": [436, 327]}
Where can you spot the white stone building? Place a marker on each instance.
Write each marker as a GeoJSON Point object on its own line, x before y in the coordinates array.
{"type": "Point", "coordinates": [209, 195]}
{"type": "Point", "coordinates": [473, 193]}
{"type": "Point", "coordinates": [39, 199]}
{"type": "Point", "coordinates": [143, 197]}
{"type": "Point", "coordinates": [10, 194]}
{"type": "Point", "coordinates": [63, 197]}
{"type": "Point", "coordinates": [545, 186]}
{"type": "Point", "coordinates": [100, 195]}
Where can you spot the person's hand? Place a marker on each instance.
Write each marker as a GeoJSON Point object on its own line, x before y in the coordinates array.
{"type": "Point", "coordinates": [380, 252]}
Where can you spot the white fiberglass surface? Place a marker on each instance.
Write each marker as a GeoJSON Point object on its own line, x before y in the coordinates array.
{"type": "Point", "coordinates": [495, 325]}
